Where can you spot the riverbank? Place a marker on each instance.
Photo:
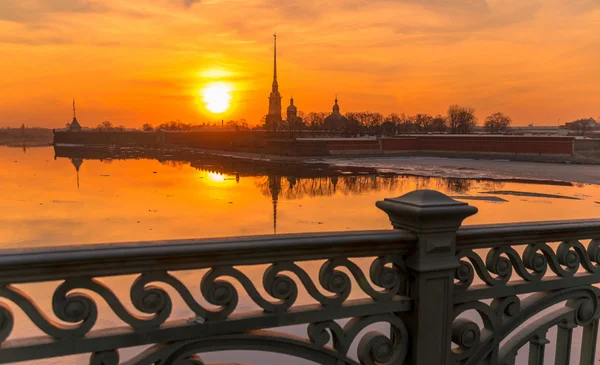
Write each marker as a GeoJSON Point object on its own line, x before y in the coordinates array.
{"type": "Point", "coordinates": [556, 173]}
{"type": "Point", "coordinates": [28, 137]}
{"type": "Point", "coordinates": [551, 171]}
{"type": "Point", "coordinates": [476, 169]}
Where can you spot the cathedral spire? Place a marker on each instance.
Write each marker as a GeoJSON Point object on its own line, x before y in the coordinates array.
{"type": "Point", "coordinates": [275, 84]}
{"type": "Point", "coordinates": [274, 115]}
{"type": "Point", "coordinates": [74, 116]}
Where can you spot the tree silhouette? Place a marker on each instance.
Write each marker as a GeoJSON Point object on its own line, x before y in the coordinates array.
{"type": "Point", "coordinates": [105, 126]}
{"type": "Point", "coordinates": [497, 123]}
{"type": "Point", "coordinates": [461, 120]}
{"type": "Point", "coordinates": [147, 127]}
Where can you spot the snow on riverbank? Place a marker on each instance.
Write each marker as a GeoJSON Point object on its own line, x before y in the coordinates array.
{"type": "Point", "coordinates": [474, 169]}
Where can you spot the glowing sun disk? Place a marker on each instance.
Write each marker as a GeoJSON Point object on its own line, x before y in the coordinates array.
{"type": "Point", "coordinates": [216, 97]}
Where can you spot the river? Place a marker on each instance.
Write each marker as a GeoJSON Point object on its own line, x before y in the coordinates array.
{"type": "Point", "coordinates": [53, 197]}
{"type": "Point", "coordinates": [73, 200]}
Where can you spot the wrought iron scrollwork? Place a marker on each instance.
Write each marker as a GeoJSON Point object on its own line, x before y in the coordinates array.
{"type": "Point", "coordinates": [7, 321]}
{"type": "Point", "coordinates": [531, 266]}
{"type": "Point", "coordinates": [373, 347]}
{"type": "Point", "coordinates": [78, 311]}
{"type": "Point", "coordinates": [109, 357]}
{"type": "Point", "coordinates": [504, 316]}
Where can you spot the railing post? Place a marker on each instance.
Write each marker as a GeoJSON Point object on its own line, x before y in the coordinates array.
{"type": "Point", "coordinates": [434, 218]}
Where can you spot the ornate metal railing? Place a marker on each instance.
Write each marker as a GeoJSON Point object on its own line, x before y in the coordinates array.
{"type": "Point", "coordinates": [449, 295]}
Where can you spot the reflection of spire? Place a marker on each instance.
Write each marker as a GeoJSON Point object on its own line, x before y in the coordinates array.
{"type": "Point", "coordinates": [274, 216]}
{"type": "Point", "coordinates": [77, 163]}
{"type": "Point", "coordinates": [275, 190]}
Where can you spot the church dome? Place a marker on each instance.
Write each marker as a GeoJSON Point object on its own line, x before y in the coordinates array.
{"type": "Point", "coordinates": [335, 121]}
{"type": "Point", "coordinates": [291, 107]}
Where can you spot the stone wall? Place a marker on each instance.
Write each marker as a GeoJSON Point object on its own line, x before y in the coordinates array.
{"type": "Point", "coordinates": [587, 144]}
{"type": "Point", "coordinates": [240, 141]}
{"type": "Point", "coordinates": [259, 142]}
{"type": "Point", "coordinates": [514, 145]}
{"type": "Point", "coordinates": [108, 138]}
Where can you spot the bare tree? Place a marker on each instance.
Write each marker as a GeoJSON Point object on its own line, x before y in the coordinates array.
{"type": "Point", "coordinates": [315, 120]}
{"type": "Point", "coordinates": [497, 123]}
{"type": "Point", "coordinates": [423, 122]}
{"type": "Point", "coordinates": [406, 124]}
{"type": "Point", "coordinates": [581, 126]}
{"type": "Point", "coordinates": [372, 121]}
{"type": "Point", "coordinates": [439, 124]}
{"type": "Point", "coordinates": [105, 126]}
{"type": "Point", "coordinates": [147, 127]}
{"type": "Point", "coordinates": [393, 118]}
{"type": "Point", "coordinates": [242, 123]}
{"type": "Point", "coordinates": [263, 122]}
{"type": "Point", "coordinates": [353, 125]}
{"type": "Point", "coordinates": [461, 120]}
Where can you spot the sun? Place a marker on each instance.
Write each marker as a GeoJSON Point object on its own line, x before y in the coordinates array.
{"type": "Point", "coordinates": [216, 97]}
{"type": "Point", "coordinates": [216, 177]}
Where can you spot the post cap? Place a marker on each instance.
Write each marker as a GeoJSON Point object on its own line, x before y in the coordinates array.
{"type": "Point", "coordinates": [425, 209]}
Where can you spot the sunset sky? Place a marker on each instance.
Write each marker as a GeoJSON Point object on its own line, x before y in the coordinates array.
{"type": "Point", "coordinates": [138, 61]}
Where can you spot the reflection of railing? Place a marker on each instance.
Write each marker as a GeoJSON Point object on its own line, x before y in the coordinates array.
{"type": "Point", "coordinates": [426, 280]}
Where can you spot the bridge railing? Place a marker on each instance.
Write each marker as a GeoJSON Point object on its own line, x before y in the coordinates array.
{"type": "Point", "coordinates": [449, 295]}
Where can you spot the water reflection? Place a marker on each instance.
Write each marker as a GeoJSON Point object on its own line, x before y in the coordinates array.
{"type": "Point", "coordinates": [278, 180]}
{"type": "Point", "coordinates": [89, 195]}
{"type": "Point", "coordinates": [297, 188]}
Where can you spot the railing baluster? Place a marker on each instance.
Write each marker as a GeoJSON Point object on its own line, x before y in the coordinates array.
{"type": "Point", "coordinates": [434, 218]}
{"type": "Point", "coordinates": [563, 343]}
{"type": "Point", "coordinates": [537, 347]}
{"type": "Point", "coordinates": [588, 343]}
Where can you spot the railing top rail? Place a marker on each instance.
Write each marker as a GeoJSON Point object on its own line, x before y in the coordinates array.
{"type": "Point", "coordinates": [494, 235]}
{"type": "Point", "coordinates": [51, 263]}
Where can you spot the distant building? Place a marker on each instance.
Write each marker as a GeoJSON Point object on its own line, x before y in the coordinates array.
{"type": "Point", "coordinates": [292, 111]}
{"type": "Point", "coordinates": [74, 126]}
{"type": "Point", "coordinates": [533, 130]}
{"type": "Point", "coordinates": [274, 116]}
{"type": "Point", "coordinates": [335, 121]}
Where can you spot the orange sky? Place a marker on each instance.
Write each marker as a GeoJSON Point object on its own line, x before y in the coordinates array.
{"type": "Point", "coordinates": [137, 61]}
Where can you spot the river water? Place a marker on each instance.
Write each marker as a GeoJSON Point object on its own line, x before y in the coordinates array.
{"type": "Point", "coordinates": [54, 197]}
{"type": "Point", "coordinates": [73, 200]}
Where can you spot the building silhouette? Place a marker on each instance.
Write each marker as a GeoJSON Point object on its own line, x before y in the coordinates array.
{"type": "Point", "coordinates": [292, 112]}
{"type": "Point", "coordinates": [74, 126]}
{"type": "Point", "coordinates": [274, 117]}
{"type": "Point", "coordinates": [335, 121]}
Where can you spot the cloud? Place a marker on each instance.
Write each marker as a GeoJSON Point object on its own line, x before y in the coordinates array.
{"type": "Point", "coordinates": [462, 22]}
{"type": "Point", "coordinates": [294, 9]}
{"type": "Point", "coordinates": [189, 3]}
{"type": "Point", "coordinates": [38, 11]}
{"type": "Point", "coordinates": [450, 6]}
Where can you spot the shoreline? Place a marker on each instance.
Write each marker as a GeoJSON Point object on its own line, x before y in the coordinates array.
{"type": "Point", "coordinates": [502, 170]}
